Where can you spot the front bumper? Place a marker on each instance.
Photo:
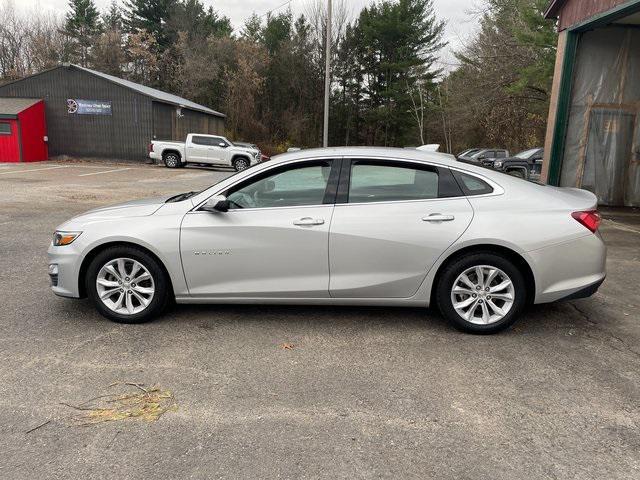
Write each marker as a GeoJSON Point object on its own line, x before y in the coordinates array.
{"type": "Point", "coordinates": [67, 259]}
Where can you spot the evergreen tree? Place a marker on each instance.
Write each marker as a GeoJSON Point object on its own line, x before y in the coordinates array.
{"type": "Point", "coordinates": [112, 18]}
{"type": "Point", "coordinates": [151, 16]}
{"type": "Point", "coordinates": [82, 24]}
{"type": "Point", "coordinates": [396, 44]}
{"type": "Point", "coordinates": [252, 29]}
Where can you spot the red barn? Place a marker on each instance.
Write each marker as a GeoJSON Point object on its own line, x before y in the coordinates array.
{"type": "Point", "coordinates": [23, 130]}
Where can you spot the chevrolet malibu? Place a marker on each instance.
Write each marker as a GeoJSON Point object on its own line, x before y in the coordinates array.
{"type": "Point", "coordinates": [340, 226]}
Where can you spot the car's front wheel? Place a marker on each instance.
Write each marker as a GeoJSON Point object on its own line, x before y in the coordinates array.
{"type": "Point", "coordinates": [127, 285]}
{"type": "Point", "coordinates": [481, 293]}
{"type": "Point", "coordinates": [240, 163]}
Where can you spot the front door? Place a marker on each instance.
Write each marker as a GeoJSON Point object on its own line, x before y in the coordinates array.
{"type": "Point", "coordinates": [393, 227]}
{"type": "Point", "coordinates": [273, 242]}
{"type": "Point", "coordinates": [218, 153]}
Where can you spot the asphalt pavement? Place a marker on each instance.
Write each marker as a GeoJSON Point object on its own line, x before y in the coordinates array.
{"type": "Point", "coordinates": [300, 392]}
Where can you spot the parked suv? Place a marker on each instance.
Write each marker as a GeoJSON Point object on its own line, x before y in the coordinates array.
{"type": "Point", "coordinates": [526, 164]}
{"type": "Point", "coordinates": [204, 149]}
{"type": "Point", "coordinates": [483, 156]}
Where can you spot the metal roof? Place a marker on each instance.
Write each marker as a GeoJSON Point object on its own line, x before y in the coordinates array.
{"type": "Point", "coordinates": [11, 107]}
{"type": "Point", "coordinates": [153, 93]}
{"type": "Point", "coordinates": [553, 9]}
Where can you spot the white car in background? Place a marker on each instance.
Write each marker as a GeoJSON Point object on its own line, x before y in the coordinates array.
{"type": "Point", "coordinates": [205, 150]}
{"type": "Point", "coordinates": [340, 226]}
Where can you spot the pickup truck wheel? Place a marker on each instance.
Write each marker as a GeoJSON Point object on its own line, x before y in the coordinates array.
{"type": "Point", "coordinates": [240, 163]}
{"type": "Point", "coordinates": [172, 160]}
{"type": "Point", "coordinates": [517, 173]}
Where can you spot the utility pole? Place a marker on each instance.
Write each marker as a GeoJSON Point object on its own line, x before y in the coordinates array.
{"type": "Point", "coordinates": [327, 78]}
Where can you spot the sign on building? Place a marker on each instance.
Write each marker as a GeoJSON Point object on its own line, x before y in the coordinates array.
{"type": "Point", "coordinates": [88, 107]}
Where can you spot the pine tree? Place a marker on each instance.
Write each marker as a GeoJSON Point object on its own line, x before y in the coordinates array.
{"type": "Point", "coordinates": [151, 16]}
{"type": "Point", "coordinates": [112, 19]}
{"type": "Point", "coordinates": [82, 23]}
{"type": "Point", "coordinates": [396, 45]}
{"type": "Point", "coordinates": [252, 29]}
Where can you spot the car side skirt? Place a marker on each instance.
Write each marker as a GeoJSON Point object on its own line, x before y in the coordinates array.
{"type": "Point", "coordinates": [382, 302]}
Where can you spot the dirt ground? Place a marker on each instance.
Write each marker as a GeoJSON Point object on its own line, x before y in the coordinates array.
{"type": "Point", "coordinates": [300, 392]}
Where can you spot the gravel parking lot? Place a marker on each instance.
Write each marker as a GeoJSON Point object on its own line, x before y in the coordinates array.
{"type": "Point", "coordinates": [301, 392]}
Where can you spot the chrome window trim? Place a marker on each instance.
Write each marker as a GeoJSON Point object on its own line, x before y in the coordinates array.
{"type": "Point", "coordinates": [497, 189]}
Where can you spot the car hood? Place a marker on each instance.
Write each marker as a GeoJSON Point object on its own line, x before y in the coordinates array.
{"type": "Point", "coordinates": [135, 208]}
{"type": "Point", "coordinates": [252, 151]}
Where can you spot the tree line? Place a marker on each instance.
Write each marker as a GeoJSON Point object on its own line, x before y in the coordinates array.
{"type": "Point", "coordinates": [267, 75]}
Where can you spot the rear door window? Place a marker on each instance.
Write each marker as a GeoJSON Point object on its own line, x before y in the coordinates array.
{"type": "Point", "coordinates": [208, 141]}
{"type": "Point", "coordinates": [380, 182]}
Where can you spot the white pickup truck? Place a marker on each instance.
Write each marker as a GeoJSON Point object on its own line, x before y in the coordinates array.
{"type": "Point", "coordinates": [204, 149]}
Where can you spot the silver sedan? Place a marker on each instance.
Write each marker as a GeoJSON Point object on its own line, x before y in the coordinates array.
{"type": "Point", "coordinates": [340, 226]}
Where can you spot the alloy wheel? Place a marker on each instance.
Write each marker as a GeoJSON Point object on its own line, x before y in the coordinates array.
{"type": "Point", "coordinates": [241, 164]}
{"type": "Point", "coordinates": [171, 161]}
{"type": "Point", "coordinates": [483, 295]}
{"type": "Point", "coordinates": [125, 286]}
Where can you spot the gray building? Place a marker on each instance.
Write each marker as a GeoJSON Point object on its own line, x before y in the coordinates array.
{"type": "Point", "coordinates": [93, 114]}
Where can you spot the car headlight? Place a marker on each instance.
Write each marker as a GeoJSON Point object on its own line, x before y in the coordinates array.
{"type": "Point", "coordinates": [64, 238]}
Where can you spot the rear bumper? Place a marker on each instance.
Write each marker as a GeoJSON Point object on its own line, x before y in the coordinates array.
{"type": "Point", "coordinates": [584, 292]}
{"type": "Point", "coordinates": [572, 268]}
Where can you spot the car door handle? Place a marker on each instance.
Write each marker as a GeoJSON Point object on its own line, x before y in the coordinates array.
{"type": "Point", "coordinates": [438, 217]}
{"type": "Point", "coordinates": [308, 221]}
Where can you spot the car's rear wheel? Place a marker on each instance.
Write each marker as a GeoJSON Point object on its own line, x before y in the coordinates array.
{"type": "Point", "coordinates": [172, 160]}
{"type": "Point", "coordinates": [240, 163]}
{"type": "Point", "coordinates": [127, 285]}
{"type": "Point", "coordinates": [481, 293]}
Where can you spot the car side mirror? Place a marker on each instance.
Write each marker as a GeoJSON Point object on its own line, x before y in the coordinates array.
{"type": "Point", "coordinates": [217, 203]}
{"type": "Point", "coordinates": [222, 144]}
{"type": "Point", "coordinates": [482, 157]}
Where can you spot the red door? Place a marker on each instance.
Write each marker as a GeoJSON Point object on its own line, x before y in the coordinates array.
{"type": "Point", "coordinates": [33, 129]}
{"type": "Point", "coordinates": [9, 141]}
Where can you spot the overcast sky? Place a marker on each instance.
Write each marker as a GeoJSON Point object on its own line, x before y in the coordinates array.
{"type": "Point", "coordinates": [456, 13]}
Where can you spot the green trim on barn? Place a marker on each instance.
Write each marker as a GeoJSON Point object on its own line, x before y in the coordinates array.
{"type": "Point", "coordinates": [562, 112]}
{"type": "Point", "coordinates": [566, 82]}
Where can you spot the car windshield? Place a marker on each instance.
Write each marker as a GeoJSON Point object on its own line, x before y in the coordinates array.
{"type": "Point", "coordinates": [527, 153]}
{"type": "Point", "coordinates": [469, 152]}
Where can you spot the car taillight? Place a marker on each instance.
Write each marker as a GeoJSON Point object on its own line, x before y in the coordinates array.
{"type": "Point", "coordinates": [590, 219]}
{"type": "Point", "coordinates": [150, 147]}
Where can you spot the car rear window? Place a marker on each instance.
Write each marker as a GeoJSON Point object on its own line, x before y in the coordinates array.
{"type": "Point", "coordinates": [472, 185]}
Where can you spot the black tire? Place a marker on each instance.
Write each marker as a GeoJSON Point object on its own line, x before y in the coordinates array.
{"type": "Point", "coordinates": [517, 173]}
{"type": "Point", "coordinates": [161, 297]}
{"type": "Point", "coordinates": [241, 163]}
{"type": "Point", "coordinates": [454, 269]}
{"type": "Point", "coordinates": [172, 160]}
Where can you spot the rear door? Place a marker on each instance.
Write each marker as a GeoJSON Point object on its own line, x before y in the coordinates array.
{"type": "Point", "coordinates": [391, 222]}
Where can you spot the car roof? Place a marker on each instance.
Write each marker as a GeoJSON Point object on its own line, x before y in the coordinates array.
{"type": "Point", "coordinates": [385, 152]}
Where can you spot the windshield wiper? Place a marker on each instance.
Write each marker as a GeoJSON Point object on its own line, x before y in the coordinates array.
{"type": "Point", "coordinates": [180, 197]}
